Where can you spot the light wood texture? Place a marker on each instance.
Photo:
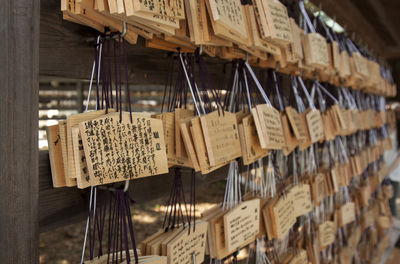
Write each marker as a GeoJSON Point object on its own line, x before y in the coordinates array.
{"type": "Point", "coordinates": [119, 150]}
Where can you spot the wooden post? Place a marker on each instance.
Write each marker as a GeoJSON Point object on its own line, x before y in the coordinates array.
{"type": "Point", "coordinates": [19, 188]}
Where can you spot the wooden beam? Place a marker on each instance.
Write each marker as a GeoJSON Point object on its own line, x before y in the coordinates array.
{"type": "Point", "coordinates": [19, 64]}
{"type": "Point", "coordinates": [63, 206]}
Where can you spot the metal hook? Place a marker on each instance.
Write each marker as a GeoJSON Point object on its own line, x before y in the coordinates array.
{"type": "Point", "coordinates": [126, 186]}
{"type": "Point", "coordinates": [194, 258]}
{"type": "Point", "coordinates": [124, 29]}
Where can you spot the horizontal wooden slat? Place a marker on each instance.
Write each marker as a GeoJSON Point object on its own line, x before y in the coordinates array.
{"type": "Point", "coordinates": [62, 206]}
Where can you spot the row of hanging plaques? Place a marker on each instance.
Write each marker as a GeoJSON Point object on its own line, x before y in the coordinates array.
{"type": "Point", "coordinates": [231, 29]}
{"type": "Point", "coordinates": [106, 146]}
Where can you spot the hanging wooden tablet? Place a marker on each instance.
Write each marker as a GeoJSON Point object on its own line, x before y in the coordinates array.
{"type": "Point", "coordinates": [186, 247]}
{"type": "Point", "coordinates": [169, 127]}
{"type": "Point", "coordinates": [269, 127]}
{"type": "Point", "coordinates": [326, 234]}
{"type": "Point", "coordinates": [318, 188]}
{"type": "Point", "coordinates": [300, 257]}
{"type": "Point", "coordinates": [297, 32]}
{"type": "Point", "coordinates": [281, 216]}
{"type": "Point", "coordinates": [74, 120]}
{"type": "Point", "coordinates": [296, 123]}
{"type": "Point", "coordinates": [315, 125]}
{"type": "Point", "coordinates": [254, 33]}
{"type": "Point", "coordinates": [315, 50]}
{"type": "Point", "coordinates": [188, 141]}
{"type": "Point", "coordinates": [221, 136]}
{"type": "Point", "coordinates": [301, 196]}
{"type": "Point", "coordinates": [251, 148]}
{"type": "Point", "coordinates": [180, 114]}
{"type": "Point", "coordinates": [329, 128]}
{"type": "Point", "coordinates": [290, 140]}
{"type": "Point", "coordinates": [64, 150]}
{"type": "Point", "coordinates": [278, 21]}
{"type": "Point", "coordinates": [118, 150]}
{"type": "Point", "coordinates": [345, 71]}
{"type": "Point", "coordinates": [173, 8]}
{"type": "Point", "coordinates": [201, 148]}
{"type": "Point", "coordinates": [82, 172]}
{"type": "Point", "coordinates": [55, 156]}
{"type": "Point", "coordinates": [346, 214]}
{"type": "Point", "coordinates": [241, 224]}
{"type": "Point", "coordinates": [228, 21]}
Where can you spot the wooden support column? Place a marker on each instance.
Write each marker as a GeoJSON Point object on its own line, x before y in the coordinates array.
{"type": "Point", "coordinates": [19, 189]}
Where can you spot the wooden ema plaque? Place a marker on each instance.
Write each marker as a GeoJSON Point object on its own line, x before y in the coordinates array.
{"type": "Point", "coordinates": [173, 8]}
{"type": "Point", "coordinates": [269, 127]}
{"type": "Point", "coordinates": [82, 172]}
{"type": "Point", "coordinates": [221, 136]}
{"type": "Point", "coordinates": [169, 127]}
{"type": "Point", "coordinates": [64, 150]}
{"type": "Point", "coordinates": [55, 156]}
{"type": "Point", "coordinates": [117, 151]}
{"type": "Point", "coordinates": [301, 196]}
{"type": "Point", "coordinates": [346, 214]}
{"type": "Point", "coordinates": [290, 140]}
{"type": "Point", "coordinates": [251, 148]}
{"type": "Point", "coordinates": [279, 217]}
{"type": "Point", "coordinates": [316, 50]}
{"type": "Point", "coordinates": [74, 120]}
{"type": "Point", "coordinates": [199, 147]}
{"type": "Point", "coordinates": [180, 114]}
{"type": "Point", "coordinates": [242, 224]}
{"type": "Point", "coordinates": [315, 125]}
{"type": "Point", "coordinates": [296, 123]}
{"type": "Point", "coordinates": [326, 233]}
{"type": "Point", "coordinates": [229, 14]}
{"type": "Point", "coordinates": [300, 258]}
{"type": "Point", "coordinates": [278, 21]}
{"type": "Point", "coordinates": [258, 41]}
{"type": "Point", "coordinates": [181, 249]}
{"type": "Point", "coordinates": [318, 188]}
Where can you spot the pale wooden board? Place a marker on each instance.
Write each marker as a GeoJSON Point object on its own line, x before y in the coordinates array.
{"type": "Point", "coordinates": [221, 136]}
{"type": "Point", "coordinates": [63, 137]}
{"type": "Point", "coordinates": [278, 21]}
{"type": "Point", "coordinates": [296, 123]}
{"type": "Point", "coordinates": [315, 125]}
{"type": "Point", "coordinates": [242, 224]}
{"type": "Point", "coordinates": [284, 217]}
{"type": "Point", "coordinates": [229, 13]}
{"type": "Point", "coordinates": [327, 233]}
{"type": "Point", "coordinates": [300, 258]}
{"type": "Point", "coordinates": [189, 144]}
{"type": "Point", "coordinates": [169, 133]}
{"type": "Point", "coordinates": [174, 8]}
{"type": "Point", "coordinates": [318, 50]}
{"type": "Point", "coordinates": [140, 146]}
{"type": "Point", "coordinates": [347, 213]}
{"type": "Point", "coordinates": [251, 143]}
{"type": "Point", "coordinates": [82, 172]}
{"type": "Point", "coordinates": [269, 126]}
{"type": "Point", "coordinates": [200, 147]}
{"type": "Point", "coordinates": [180, 115]}
{"type": "Point", "coordinates": [181, 248]}
{"type": "Point", "coordinates": [74, 120]}
{"type": "Point", "coordinates": [55, 156]}
{"type": "Point", "coordinates": [301, 195]}
{"type": "Point", "coordinates": [290, 140]}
